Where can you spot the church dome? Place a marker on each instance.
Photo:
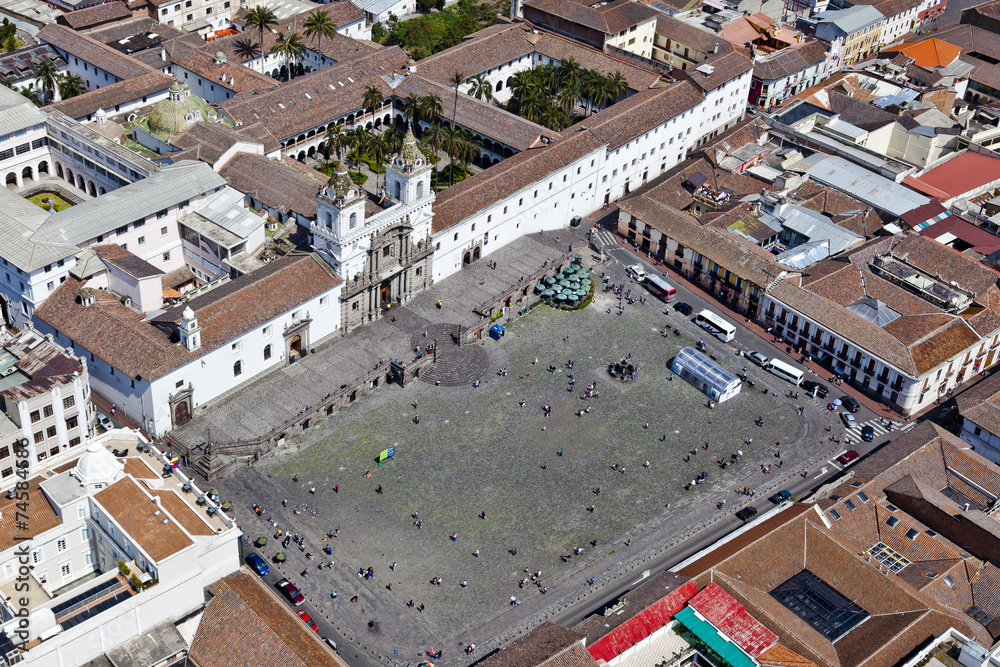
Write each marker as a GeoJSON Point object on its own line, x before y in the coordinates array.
{"type": "Point", "coordinates": [340, 186]}
{"type": "Point", "coordinates": [97, 466]}
{"type": "Point", "coordinates": [178, 112]}
{"type": "Point", "coordinates": [410, 157]}
{"type": "Point", "coordinates": [188, 314]}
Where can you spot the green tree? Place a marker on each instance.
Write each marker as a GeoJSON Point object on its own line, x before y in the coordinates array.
{"type": "Point", "coordinates": [435, 134]}
{"type": "Point", "coordinates": [10, 44]}
{"type": "Point", "coordinates": [46, 79]}
{"type": "Point", "coordinates": [570, 73]}
{"type": "Point", "coordinates": [320, 25]}
{"type": "Point", "coordinates": [379, 33]}
{"type": "Point", "coordinates": [554, 118]}
{"type": "Point", "coordinates": [335, 140]}
{"type": "Point", "coordinates": [457, 79]}
{"type": "Point", "coordinates": [261, 17]}
{"type": "Point", "coordinates": [595, 89]}
{"type": "Point", "coordinates": [523, 84]}
{"type": "Point", "coordinates": [481, 88]}
{"type": "Point", "coordinates": [358, 139]}
{"type": "Point", "coordinates": [379, 148]}
{"type": "Point", "coordinates": [430, 107]}
{"type": "Point", "coordinates": [617, 86]}
{"type": "Point", "coordinates": [411, 107]}
{"type": "Point", "coordinates": [71, 85]}
{"type": "Point", "coordinates": [372, 98]}
{"type": "Point", "coordinates": [289, 47]}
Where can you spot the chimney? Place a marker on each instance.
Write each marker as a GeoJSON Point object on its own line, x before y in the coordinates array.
{"type": "Point", "coordinates": [716, 48]}
{"type": "Point", "coordinates": [163, 54]}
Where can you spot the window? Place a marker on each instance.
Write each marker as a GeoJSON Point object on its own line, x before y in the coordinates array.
{"type": "Point", "coordinates": [892, 521]}
{"type": "Point", "coordinates": [324, 301]}
{"type": "Point", "coordinates": [236, 347]}
{"type": "Point", "coordinates": [37, 556]}
{"type": "Point", "coordinates": [163, 231]}
{"type": "Point", "coordinates": [81, 512]}
{"type": "Point", "coordinates": [4, 452]}
{"type": "Point", "coordinates": [888, 557]}
{"type": "Point", "coordinates": [7, 472]}
{"type": "Point", "coordinates": [862, 497]}
{"type": "Point", "coordinates": [61, 544]}
{"type": "Point", "coordinates": [74, 441]}
{"type": "Point", "coordinates": [72, 422]}
{"type": "Point", "coordinates": [142, 240]}
{"type": "Point", "coordinates": [166, 256]}
{"type": "Point", "coordinates": [47, 411]}
{"type": "Point", "coordinates": [849, 504]}
{"type": "Point", "coordinates": [161, 214]}
{"type": "Point", "coordinates": [267, 352]}
{"type": "Point", "coordinates": [266, 331]}
{"type": "Point", "coordinates": [36, 416]}
{"type": "Point", "coordinates": [39, 437]}
{"type": "Point", "coordinates": [69, 402]}
{"type": "Point", "coordinates": [912, 533]}
{"type": "Point", "coordinates": [50, 432]}
{"type": "Point", "coordinates": [139, 223]}
{"type": "Point", "coordinates": [51, 285]}
{"type": "Point", "coordinates": [65, 569]}
{"type": "Point", "coordinates": [238, 369]}
{"type": "Point", "coordinates": [121, 230]}
{"type": "Point", "coordinates": [835, 514]}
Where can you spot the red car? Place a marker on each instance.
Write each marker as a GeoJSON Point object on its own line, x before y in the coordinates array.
{"type": "Point", "coordinates": [847, 457]}
{"type": "Point", "coordinates": [307, 620]}
{"type": "Point", "coordinates": [291, 592]}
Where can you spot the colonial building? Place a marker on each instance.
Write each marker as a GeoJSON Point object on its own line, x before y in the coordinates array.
{"type": "Point", "coordinates": [385, 257]}
{"type": "Point", "coordinates": [45, 402]}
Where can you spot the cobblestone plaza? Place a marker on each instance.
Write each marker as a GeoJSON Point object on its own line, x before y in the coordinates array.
{"type": "Point", "coordinates": [479, 450]}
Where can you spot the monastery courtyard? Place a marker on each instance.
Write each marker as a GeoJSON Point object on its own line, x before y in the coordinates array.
{"type": "Point", "coordinates": [478, 449]}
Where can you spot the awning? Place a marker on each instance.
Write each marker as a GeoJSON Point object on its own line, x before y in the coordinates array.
{"type": "Point", "coordinates": [718, 642]}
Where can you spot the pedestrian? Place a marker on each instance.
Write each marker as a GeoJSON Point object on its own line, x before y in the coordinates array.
{"type": "Point", "coordinates": [336, 488]}
{"type": "Point", "coordinates": [393, 566]}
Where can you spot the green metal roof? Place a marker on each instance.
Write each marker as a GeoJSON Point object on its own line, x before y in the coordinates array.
{"type": "Point", "coordinates": [707, 633]}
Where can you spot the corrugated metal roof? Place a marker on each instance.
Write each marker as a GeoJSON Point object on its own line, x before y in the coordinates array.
{"type": "Point", "coordinates": [16, 112]}
{"type": "Point", "coordinates": [851, 19]}
{"type": "Point", "coordinates": [706, 632]}
{"type": "Point", "coordinates": [817, 227]}
{"type": "Point", "coordinates": [862, 184]}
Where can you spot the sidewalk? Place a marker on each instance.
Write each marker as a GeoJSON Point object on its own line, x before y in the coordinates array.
{"type": "Point", "coordinates": [822, 373]}
{"type": "Point", "coordinates": [105, 406]}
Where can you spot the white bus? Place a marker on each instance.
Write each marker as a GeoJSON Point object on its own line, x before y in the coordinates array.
{"type": "Point", "coordinates": [660, 288]}
{"type": "Point", "coordinates": [784, 371]}
{"type": "Point", "coordinates": [715, 325]}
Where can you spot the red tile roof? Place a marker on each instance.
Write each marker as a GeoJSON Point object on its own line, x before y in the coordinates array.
{"type": "Point", "coordinates": [139, 347]}
{"type": "Point", "coordinates": [244, 624]}
{"type": "Point", "coordinates": [609, 17]}
{"type": "Point", "coordinates": [91, 17]}
{"type": "Point", "coordinates": [726, 614]}
{"type": "Point", "coordinates": [640, 626]}
{"type": "Point", "coordinates": [957, 176]}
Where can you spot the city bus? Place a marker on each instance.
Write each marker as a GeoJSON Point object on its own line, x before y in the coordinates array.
{"type": "Point", "coordinates": [716, 326]}
{"type": "Point", "coordinates": [660, 288]}
{"type": "Point", "coordinates": [784, 371]}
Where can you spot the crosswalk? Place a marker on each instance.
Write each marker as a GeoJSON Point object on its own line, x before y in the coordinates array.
{"type": "Point", "coordinates": [880, 429]}
{"type": "Point", "coordinates": [605, 237]}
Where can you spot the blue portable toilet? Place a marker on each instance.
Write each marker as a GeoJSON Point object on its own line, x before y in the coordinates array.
{"type": "Point", "coordinates": [496, 332]}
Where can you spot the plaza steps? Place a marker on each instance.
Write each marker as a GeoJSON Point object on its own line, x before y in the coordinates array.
{"type": "Point", "coordinates": [456, 365]}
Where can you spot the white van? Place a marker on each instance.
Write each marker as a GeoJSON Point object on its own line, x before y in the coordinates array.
{"type": "Point", "coordinates": [784, 371]}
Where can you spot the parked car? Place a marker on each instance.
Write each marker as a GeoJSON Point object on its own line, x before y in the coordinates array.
{"type": "Point", "coordinates": [746, 513]}
{"type": "Point", "coordinates": [307, 620]}
{"type": "Point", "coordinates": [780, 497]}
{"type": "Point", "coordinates": [848, 419]}
{"type": "Point", "coordinates": [847, 457]}
{"type": "Point", "coordinates": [850, 403]}
{"type": "Point", "coordinates": [867, 433]}
{"type": "Point", "coordinates": [332, 644]}
{"type": "Point", "coordinates": [104, 421]}
{"type": "Point", "coordinates": [820, 390]}
{"type": "Point", "coordinates": [258, 564]}
{"type": "Point", "coordinates": [291, 592]}
{"type": "Point", "coordinates": [636, 272]}
{"type": "Point", "coordinates": [755, 357]}
{"type": "Point", "coordinates": [683, 308]}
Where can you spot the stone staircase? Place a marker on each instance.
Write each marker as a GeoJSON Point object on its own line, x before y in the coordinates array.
{"type": "Point", "coordinates": [456, 365]}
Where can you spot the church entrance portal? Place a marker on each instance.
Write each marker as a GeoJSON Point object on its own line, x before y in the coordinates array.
{"type": "Point", "coordinates": [384, 294]}
{"type": "Point", "coordinates": [294, 348]}
{"type": "Point", "coordinates": [181, 413]}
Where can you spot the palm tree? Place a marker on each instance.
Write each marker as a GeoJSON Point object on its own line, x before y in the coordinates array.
{"type": "Point", "coordinates": [320, 25]}
{"type": "Point", "coordinates": [554, 118]}
{"type": "Point", "coordinates": [435, 134]}
{"type": "Point", "coordinates": [7, 81]}
{"type": "Point", "coordinates": [570, 73]}
{"type": "Point", "coordinates": [335, 139]}
{"type": "Point", "coordinates": [261, 17]}
{"type": "Point", "coordinates": [71, 85]}
{"type": "Point", "coordinates": [372, 98]}
{"type": "Point", "coordinates": [358, 139]}
{"type": "Point", "coordinates": [532, 106]}
{"type": "Point", "coordinates": [593, 83]}
{"type": "Point", "coordinates": [567, 96]}
{"type": "Point", "coordinates": [430, 107]}
{"type": "Point", "coordinates": [379, 148]}
{"type": "Point", "coordinates": [411, 108]}
{"type": "Point", "coordinates": [481, 88]}
{"type": "Point", "coordinates": [617, 86]}
{"type": "Point", "coordinates": [47, 79]}
{"type": "Point", "coordinates": [522, 84]}
{"type": "Point", "coordinates": [290, 48]}
{"type": "Point", "coordinates": [457, 79]}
